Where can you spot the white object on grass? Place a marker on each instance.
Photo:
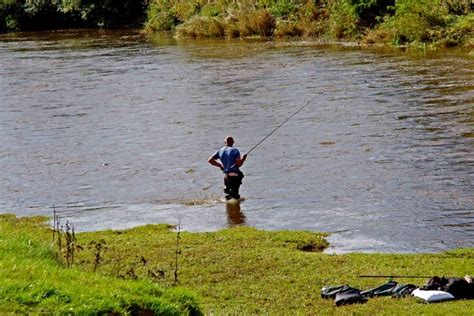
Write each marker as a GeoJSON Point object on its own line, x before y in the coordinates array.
{"type": "Point", "coordinates": [432, 295]}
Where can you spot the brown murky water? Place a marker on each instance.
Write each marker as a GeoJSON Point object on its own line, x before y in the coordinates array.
{"type": "Point", "coordinates": [115, 129]}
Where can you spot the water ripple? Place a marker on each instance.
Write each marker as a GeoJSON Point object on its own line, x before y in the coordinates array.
{"type": "Point", "coordinates": [106, 126]}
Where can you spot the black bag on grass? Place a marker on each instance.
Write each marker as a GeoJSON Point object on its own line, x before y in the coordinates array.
{"type": "Point", "coordinates": [349, 296]}
{"type": "Point", "coordinates": [402, 290]}
{"type": "Point", "coordinates": [329, 292]}
{"type": "Point", "coordinates": [382, 290]}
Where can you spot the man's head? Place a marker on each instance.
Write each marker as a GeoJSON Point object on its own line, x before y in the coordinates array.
{"type": "Point", "coordinates": [229, 141]}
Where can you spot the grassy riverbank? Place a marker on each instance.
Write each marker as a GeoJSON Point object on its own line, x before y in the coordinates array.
{"type": "Point", "coordinates": [235, 271]}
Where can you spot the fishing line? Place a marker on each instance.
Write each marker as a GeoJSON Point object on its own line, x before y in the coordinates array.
{"type": "Point", "coordinates": [281, 124]}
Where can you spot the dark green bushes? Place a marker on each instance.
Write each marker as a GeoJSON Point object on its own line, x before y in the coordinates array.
{"type": "Point", "coordinates": [369, 12]}
{"type": "Point", "coordinates": [29, 15]}
{"type": "Point", "coordinates": [447, 22]}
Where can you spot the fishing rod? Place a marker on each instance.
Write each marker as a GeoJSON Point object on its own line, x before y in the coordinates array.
{"type": "Point", "coordinates": [281, 124]}
{"type": "Point", "coordinates": [396, 276]}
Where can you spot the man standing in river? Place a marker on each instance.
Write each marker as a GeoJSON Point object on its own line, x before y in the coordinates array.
{"type": "Point", "coordinates": [229, 160]}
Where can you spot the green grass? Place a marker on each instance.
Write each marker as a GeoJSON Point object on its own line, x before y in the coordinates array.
{"type": "Point", "coordinates": [238, 271]}
{"type": "Point", "coordinates": [33, 281]}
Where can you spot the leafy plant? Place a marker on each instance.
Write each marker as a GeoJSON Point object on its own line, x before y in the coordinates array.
{"type": "Point", "coordinates": [427, 22]}
{"type": "Point", "coordinates": [343, 19]}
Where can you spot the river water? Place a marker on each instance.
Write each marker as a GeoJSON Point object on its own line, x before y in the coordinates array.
{"type": "Point", "coordinates": [114, 130]}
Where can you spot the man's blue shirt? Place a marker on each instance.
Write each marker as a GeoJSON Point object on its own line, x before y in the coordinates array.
{"type": "Point", "coordinates": [228, 157]}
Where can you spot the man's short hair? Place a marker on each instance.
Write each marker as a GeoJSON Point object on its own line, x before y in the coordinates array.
{"type": "Point", "coordinates": [229, 141]}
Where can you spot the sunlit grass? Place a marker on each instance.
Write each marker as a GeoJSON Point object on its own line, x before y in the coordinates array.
{"type": "Point", "coordinates": [32, 280]}
{"type": "Point", "coordinates": [247, 271]}
{"type": "Point", "coordinates": [234, 271]}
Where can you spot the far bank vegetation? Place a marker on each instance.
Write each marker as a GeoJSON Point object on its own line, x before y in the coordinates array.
{"type": "Point", "coordinates": [445, 22]}
{"type": "Point", "coordinates": [397, 22]}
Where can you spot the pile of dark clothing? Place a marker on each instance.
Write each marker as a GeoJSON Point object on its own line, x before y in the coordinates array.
{"type": "Point", "coordinates": [460, 288]}
{"type": "Point", "coordinates": [345, 294]}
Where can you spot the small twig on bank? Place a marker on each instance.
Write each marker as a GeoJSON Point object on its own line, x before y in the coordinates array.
{"type": "Point", "coordinates": [177, 251]}
{"type": "Point", "coordinates": [70, 244]}
{"type": "Point", "coordinates": [74, 240]}
{"type": "Point", "coordinates": [54, 224]}
{"type": "Point", "coordinates": [99, 246]}
{"type": "Point", "coordinates": [69, 235]}
{"type": "Point", "coordinates": [59, 239]}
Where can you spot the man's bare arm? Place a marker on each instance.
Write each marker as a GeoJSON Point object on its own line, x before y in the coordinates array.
{"type": "Point", "coordinates": [240, 161]}
{"type": "Point", "coordinates": [215, 163]}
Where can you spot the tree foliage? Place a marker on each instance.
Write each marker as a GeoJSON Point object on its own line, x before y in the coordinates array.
{"type": "Point", "coordinates": [28, 15]}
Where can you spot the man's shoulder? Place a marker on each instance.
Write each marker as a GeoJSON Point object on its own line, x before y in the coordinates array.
{"type": "Point", "coordinates": [229, 149]}
{"type": "Point", "coordinates": [234, 150]}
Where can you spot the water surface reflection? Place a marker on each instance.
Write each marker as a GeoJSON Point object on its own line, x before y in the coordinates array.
{"type": "Point", "coordinates": [235, 217]}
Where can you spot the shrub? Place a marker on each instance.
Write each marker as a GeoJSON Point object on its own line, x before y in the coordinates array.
{"type": "Point", "coordinates": [9, 15]}
{"type": "Point", "coordinates": [161, 21]}
{"type": "Point", "coordinates": [254, 22]}
{"type": "Point", "coordinates": [428, 21]}
{"type": "Point", "coordinates": [369, 12]}
{"type": "Point", "coordinates": [288, 28]}
{"type": "Point", "coordinates": [160, 16]}
{"type": "Point", "coordinates": [210, 10]}
{"type": "Point", "coordinates": [459, 7]}
{"type": "Point", "coordinates": [461, 31]}
{"type": "Point", "coordinates": [201, 27]}
{"type": "Point", "coordinates": [314, 28]}
{"type": "Point", "coordinates": [183, 10]}
{"type": "Point", "coordinates": [342, 20]}
{"type": "Point", "coordinates": [283, 8]}
{"type": "Point", "coordinates": [232, 29]}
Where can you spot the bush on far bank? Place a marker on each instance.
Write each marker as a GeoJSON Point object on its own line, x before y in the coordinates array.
{"type": "Point", "coordinates": [428, 21]}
